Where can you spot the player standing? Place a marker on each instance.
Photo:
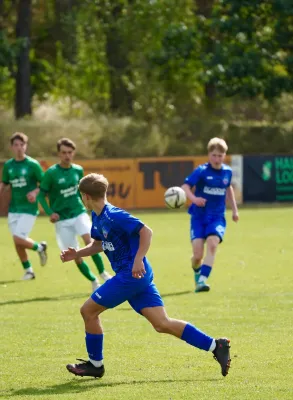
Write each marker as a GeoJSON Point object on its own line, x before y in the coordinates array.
{"type": "Point", "coordinates": [66, 209]}
{"type": "Point", "coordinates": [126, 241]}
{"type": "Point", "coordinates": [23, 174]}
{"type": "Point", "coordinates": [207, 187]}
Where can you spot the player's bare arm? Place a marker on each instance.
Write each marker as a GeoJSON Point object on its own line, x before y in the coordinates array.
{"type": "Point", "coordinates": [145, 238]}
{"type": "Point", "coordinates": [32, 196]}
{"type": "Point", "coordinates": [232, 201]}
{"type": "Point", "coordinates": [4, 187]}
{"type": "Point", "coordinates": [72, 254]}
{"type": "Point", "coordinates": [198, 201]}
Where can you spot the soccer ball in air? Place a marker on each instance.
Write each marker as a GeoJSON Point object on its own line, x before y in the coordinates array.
{"type": "Point", "coordinates": [175, 197]}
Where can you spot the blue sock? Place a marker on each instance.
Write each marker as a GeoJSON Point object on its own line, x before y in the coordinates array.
{"type": "Point", "coordinates": [94, 346]}
{"type": "Point", "coordinates": [205, 270]}
{"type": "Point", "coordinates": [196, 338]}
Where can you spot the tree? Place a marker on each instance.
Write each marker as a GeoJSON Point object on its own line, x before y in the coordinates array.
{"type": "Point", "coordinates": [23, 84]}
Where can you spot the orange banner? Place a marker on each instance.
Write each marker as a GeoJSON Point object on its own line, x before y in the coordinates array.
{"type": "Point", "coordinates": [120, 174]}
{"type": "Point", "coordinates": [155, 175]}
{"type": "Point", "coordinates": [137, 183]}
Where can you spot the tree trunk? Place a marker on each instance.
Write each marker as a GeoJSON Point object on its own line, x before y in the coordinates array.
{"type": "Point", "coordinates": [120, 97]}
{"type": "Point", "coordinates": [23, 84]}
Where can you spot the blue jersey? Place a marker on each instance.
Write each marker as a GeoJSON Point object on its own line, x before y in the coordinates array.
{"type": "Point", "coordinates": [119, 233]}
{"type": "Point", "coordinates": [211, 184]}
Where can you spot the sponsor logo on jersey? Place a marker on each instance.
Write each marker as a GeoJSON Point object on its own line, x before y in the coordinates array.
{"type": "Point", "coordinates": [214, 191]}
{"type": "Point", "coordinates": [108, 246]}
{"type": "Point", "coordinates": [18, 182]}
{"type": "Point", "coordinates": [71, 191]}
{"type": "Point", "coordinates": [61, 180]}
{"type": "Point", "coordinates": [209, 177]}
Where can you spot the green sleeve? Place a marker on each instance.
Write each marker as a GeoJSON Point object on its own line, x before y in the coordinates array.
{"type": "Point", "coordinates": [5, 176]}
{"type": "Point", "coordinates": [44, 189]}
{"type": "Point", "coordinates": [43, 201]}
{"type": "Point", "coordinates": [46, 182]}
{"type": "Point", "coordinates": [38, 172]}
{"type": "Point", "coordinates": [81, 173]}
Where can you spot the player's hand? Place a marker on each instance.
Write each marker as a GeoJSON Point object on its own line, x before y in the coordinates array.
{"type": "Point", "coordinates": [200, 201]}
{"type": "Point", "coordinates": [235, 217]}
{"type": "Point", "coordinates": [54, 217]}
{"type": "Point", "coordinates": [138, 269]}
{"type": "Point", "coordinates": [32, 196]}
{"type": "Point", "coordinates": [68, 255]}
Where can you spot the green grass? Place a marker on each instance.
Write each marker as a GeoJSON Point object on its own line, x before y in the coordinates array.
{"type": "Point", "coordinates": [250, 301]}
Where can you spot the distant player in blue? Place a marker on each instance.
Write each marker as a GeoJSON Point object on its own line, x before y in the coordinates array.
{"type": "Point", "coordinates": [125, 241]}
{"type": "Point", "coordinates": [208, 187]}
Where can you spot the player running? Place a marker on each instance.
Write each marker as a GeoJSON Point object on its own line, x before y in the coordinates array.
{"type": "Point", "coordinates": [126, 241]}
{"type": "Point", "coordinates": [208, 187]}
{"type": "Point", "coordinates": [23, 174]}
{"type": "Point", "coordinates": [66, 209]}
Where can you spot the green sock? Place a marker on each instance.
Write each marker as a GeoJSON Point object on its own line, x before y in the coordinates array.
{"type": "Point", "coordinates": [97, 259]}
{"type": "Point", "coordinates": [35, 246]}
{"type": "Point", "coordinates": [26, 264]}
{"type": "Point", "coordinates": [85, 270]}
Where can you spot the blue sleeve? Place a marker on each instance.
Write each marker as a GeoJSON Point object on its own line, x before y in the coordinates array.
{"type": "Point", "coordinates": [230, 183]}
{"type": "Point", "coordinates": [95, 234]}
{"type": "Point", "coordinates": [194, 177]}
{"type": "Point", "coordinates": [128, 223]}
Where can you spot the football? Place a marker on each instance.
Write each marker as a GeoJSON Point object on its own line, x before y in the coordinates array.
{"type": "Point", "coordinates": [175, 197]}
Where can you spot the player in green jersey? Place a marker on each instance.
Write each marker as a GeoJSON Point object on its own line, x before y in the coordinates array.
{"type": "Point", "coordinates": [66, 209]}
{"type": "Point", "coordinates": [23, 174]}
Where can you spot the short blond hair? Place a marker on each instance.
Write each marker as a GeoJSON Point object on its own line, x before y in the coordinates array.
{"type": "Point", "coordinates": [94, 185]}
{"type": "Point", "coordinates": [217, 144]}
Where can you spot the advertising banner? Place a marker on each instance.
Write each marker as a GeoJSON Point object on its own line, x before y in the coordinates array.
{"type": "Point", "coordinates": [237, 177]}
{"type": "Point", "coordinates": [142, 182]}
{"type": "Point", "coordinates": [120, 174]}
{"type": "Point", "coordinates": [268, 178]}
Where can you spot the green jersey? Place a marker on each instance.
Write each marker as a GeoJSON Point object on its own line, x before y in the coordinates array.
{"type": "Point", "coordinates": [61, 186]}
{"type": "Point", "coordinates": [23, 177]}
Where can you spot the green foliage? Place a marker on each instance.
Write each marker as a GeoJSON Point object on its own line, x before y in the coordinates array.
{"type": "Point", "coordinates": [168, 66]}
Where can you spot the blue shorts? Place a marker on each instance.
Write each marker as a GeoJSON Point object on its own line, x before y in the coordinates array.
{"type": "Point", "coordinates": [140, 293]}
{"type": "Point", "coordinates": [201, 228]}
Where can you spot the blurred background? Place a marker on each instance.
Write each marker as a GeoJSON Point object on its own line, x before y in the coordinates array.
{"type": "Point", "coordinates": [130, 80]}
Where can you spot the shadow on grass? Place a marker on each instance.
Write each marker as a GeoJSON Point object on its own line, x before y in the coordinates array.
{"type": "Point", "coordinates": [41, 299]}
{"type": "Point", "coordinates": [70, 297]}
{"type": "Point", "coordinates": [7, 282]}
{"type": "Point", "coordinates": [87, 384]}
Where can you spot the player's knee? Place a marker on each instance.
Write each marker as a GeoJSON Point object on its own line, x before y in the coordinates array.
{"type": "Point", "coordinates": [162, 326]}
{"type": "Point", "coordinates": [212, 244]}
{"type": "Point", "coordinates": [18, 241]}
{"type": "Point", "coordinates": [85, 313]}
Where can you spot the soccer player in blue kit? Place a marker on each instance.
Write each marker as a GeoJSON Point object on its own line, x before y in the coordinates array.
{"type": "Point", "coordinates": [212, 183]}
{"type": "Point", "coordinates": [125, 241]}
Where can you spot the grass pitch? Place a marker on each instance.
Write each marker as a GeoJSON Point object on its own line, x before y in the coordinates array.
{"type": "Point", "coordinates": [251, 301]}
